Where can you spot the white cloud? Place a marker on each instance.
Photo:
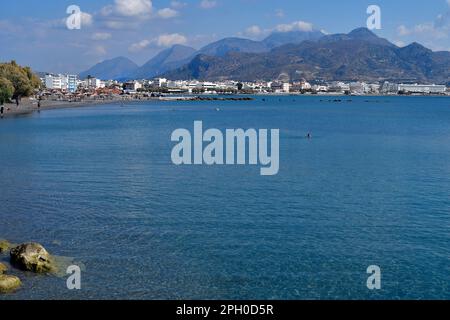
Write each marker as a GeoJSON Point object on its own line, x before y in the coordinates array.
{"type": "Point", "coordinates": [208, 4]}
{"type": "Point", "coordinates": [167, 40]}
{"type": "Point", "coordinates": [253, 31]}
{"type": "Point", "coordinates": [97, 51]}
{"type": "Point", "coordinates": [134, 7]}
{"type": "Point", "coordinates": [100, 50]}
{"type": "Point", "coordinates": [427, 29]}
{"type": "Point", "coordinates": [179, 4]}
{"type": "Point", "coordinates": [433, 34]}
{"type": "Point", "coordinates": [164, 40]}
{"type": "Point", "coordinates": [129, 8]}
{"type": "Point", "coordinates": [403, 30]}
{"type": "Point", "coordinates": [295, 26]}
{"type": "Point", "coordinates": [115, 24]}
{"type": "Point", "coordinates": [257, 32]}
{"type": "Point", "coordinates": [130, 14]}
{"type": "Point", "coordinates": [167, 13]}
{"type": "Point", "coordinates": [86, 19]}
{"type": "Point", "coordinates": [400, 43]}
{"type": "Point", "coordinates": [135, 47]}
{"type": "Point", "coordinates": [101, 36]}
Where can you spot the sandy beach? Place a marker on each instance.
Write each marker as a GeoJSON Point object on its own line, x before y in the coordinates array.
{"type": "Point", "coordinates": [29, 105]}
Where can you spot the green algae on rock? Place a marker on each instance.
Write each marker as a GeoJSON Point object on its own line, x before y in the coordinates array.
{"type": "Point", "coordinates": [4, 245]}
{"type": "Point", "coordinates": [3, 268]}
{"type": "Point", "coordinates": [32, 257]}
{"type": "Point", "coordinates": [9, 283]}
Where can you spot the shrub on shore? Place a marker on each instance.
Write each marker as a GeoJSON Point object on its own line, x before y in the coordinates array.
{"type": "Point", "coordinates": [16, 82]}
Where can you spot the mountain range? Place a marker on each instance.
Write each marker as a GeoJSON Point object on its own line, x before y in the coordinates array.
{"type": "Point", "coordinates": [358, 55]}
{"type": "Point", "coordinates": [170, 59]}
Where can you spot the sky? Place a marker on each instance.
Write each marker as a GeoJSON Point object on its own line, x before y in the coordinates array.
{"type": "Point", "coordinates": [35, 33]}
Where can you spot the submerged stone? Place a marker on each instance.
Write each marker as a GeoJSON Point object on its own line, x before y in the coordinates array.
{"type": "Point", "coordinates": [32, 257]}
{"type": "Point", "coordinates": [3, 268]}
{"type": "Point", "coordinates": [4, 245]}
{"type": "Point", "coordinates": [9, 283]}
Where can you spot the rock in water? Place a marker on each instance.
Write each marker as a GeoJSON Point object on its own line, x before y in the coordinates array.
{"type": "Point", "coordinates": [4, 246]}
{"type": "Point", "coordinates": [3, 268]}
{"type": "Point", "coordinates": [32, 257]}
{"type": "Point", "coordinates": [9, 283]}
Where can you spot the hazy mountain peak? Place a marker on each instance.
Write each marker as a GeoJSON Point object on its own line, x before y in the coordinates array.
{"type": "Point", "coordinates": [416, 45]}
{"type": "Point", "coordinates": [110, 69]}
{"type": "Point", "coordinates": [362, 33]}
{"type": "Point", "coordinates": [415, 49]}
{"type": "Point", "coordinates": [176, 53]}
{"type": "Point", "coordinates": [277, 39]}
{"type": "Point", "coordinates": [359, 34]}
{"type": "Point", "coordinates": [171, 58]}
{"type": "Point", "coordinates": [233, 44]}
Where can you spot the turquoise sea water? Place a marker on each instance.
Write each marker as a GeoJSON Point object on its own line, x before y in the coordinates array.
{"type": "Point", "coordinates": [371, 188]}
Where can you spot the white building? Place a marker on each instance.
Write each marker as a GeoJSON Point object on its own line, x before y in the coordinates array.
{"type": "Point", "coordinates": [94, 83]}
{"type": "Point", "coordinates": [280, 87]}
{"type": "Point", "coordinates": [320, 88]}
{"type": "Point", "coordinates": [160, 82]}
{"type": "Point", "coordinates": [72, 82]}
{"type": "Point", "coordinates": [357, 87]}
{"type": "Point", "coordinates": [209, 86]}
{"type": "Point", "coordinates": [389, 87]}
{"type": "Point", "coordinates": [53, 81]}
{"type": "Point", "coordinates": [422, 88]}
{"type": "Point", "coordinates": [61, 82]}
{"type": "Point", "coordinates": [132, 86]}
{"type": "Point", "coordinates": [339, 87]}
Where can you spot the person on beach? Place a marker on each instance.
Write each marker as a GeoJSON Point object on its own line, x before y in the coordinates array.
{"type": "Point", "coordinates": [1, 111]}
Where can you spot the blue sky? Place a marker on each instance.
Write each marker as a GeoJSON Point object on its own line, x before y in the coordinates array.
{"type": "Point", "coordinates": [34, 32]}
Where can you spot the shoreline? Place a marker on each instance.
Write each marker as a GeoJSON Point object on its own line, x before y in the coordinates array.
{"type": "Point", "coordinates": [28, 106]}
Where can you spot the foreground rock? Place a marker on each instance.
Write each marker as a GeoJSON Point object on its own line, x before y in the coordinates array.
{"type": "Point", "coordinates": [9, 283]}
{"type": "Point", "coordinates": [32, 257]}
{"type": "Point", "coordinates": [3, 268]}
{"type": "Point", "coordinates": [4, 246]}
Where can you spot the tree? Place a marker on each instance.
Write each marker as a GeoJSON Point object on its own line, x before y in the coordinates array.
{"type": "Point", "coordinates": [23, 80]}
{"type": "Point", "coordinates": [6, 90]}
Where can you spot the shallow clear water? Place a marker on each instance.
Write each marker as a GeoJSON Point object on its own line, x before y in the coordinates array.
{"type": "Point", "coordinates": [371, 188]}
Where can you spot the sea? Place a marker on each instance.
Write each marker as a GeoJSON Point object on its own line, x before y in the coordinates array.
{"type": "Point", "coordinates": [97, 185]}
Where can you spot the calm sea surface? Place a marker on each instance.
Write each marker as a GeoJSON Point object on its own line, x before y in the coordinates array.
{"type": "Point", "coordinates": [371, 188]}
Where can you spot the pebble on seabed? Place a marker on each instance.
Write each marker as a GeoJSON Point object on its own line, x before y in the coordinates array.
{"type": "Point", "coordinates": [9, 283]}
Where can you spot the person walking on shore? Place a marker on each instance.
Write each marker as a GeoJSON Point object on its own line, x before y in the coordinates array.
{"type": "Point", "coordinates": [1, 110]}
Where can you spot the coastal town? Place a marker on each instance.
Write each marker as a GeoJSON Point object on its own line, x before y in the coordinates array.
{"type": "Point", "coordinates": [47, 91]}
{"type": "Point", "coordinates": [69, 86]}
